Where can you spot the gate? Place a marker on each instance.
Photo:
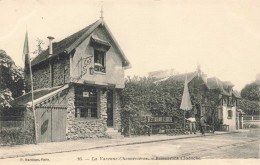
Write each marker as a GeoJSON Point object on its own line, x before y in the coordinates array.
{"type": "Point", "coordinates": [51, 123]}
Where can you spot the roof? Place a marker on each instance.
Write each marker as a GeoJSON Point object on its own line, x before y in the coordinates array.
{"type": "Point", "coordinates": [181, 77]}
{"type": "Point", "coordinates": [211, 83]}
{"type": "Point", "coordinates": [60, 47]}
{"type": "Point", "coordinates": [68, 44]}
{"type": "Point", "coordinates": [215, 83]}
{"type": "Point", "coordinates": [241, 111]}
{"type": "Point", "coordinates": [236, 94]}
{"type": "Point", "coordinates": [38, 94]}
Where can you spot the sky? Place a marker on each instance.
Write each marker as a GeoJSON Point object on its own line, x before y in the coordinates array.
{"type": "Point", "coordinates": [222, 36]}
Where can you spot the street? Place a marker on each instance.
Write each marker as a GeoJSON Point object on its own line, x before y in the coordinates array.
{"type": "Point", "coordinates": [241, 145]}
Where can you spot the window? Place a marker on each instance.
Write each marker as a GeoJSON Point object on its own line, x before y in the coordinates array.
{"type": "Point", "coordinates": [220, 113]}
{"type": "Point", "coordinates": [234, 102]}
{"type": "Point", "coordinates": [229, 114]}
{"type": "Point", "coordinates": [225, 101]}
{"type": "Point", "coordinates": [85, 101]}
{"type": "Point", "coordinates": [99, 60]}
{"type": "Point", "coordinates": [230, 101]}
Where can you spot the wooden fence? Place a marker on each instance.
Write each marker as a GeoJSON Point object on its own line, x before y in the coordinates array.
{"type": "Point", "coordinates": [11, 122]}
{"type": "Point", "coordinates": [251, 117]}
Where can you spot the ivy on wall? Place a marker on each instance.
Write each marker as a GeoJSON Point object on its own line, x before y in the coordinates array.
{"type": "Point", "coordinates": [142, 97]}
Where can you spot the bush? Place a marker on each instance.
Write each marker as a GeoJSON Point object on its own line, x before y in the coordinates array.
{"type": "Point", "coordinates": [142, 97]}
{"type": "Point", "coordinates": [250, 125]}
{"type": "Point", "coordinates": [16, 135]}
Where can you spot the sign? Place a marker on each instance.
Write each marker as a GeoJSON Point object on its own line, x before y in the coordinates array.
{"type": "Point", "coordinates": [85, 94]}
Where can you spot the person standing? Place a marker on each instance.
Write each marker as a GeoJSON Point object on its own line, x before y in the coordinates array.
{"type": "Point", "coordinates": [203, 125]}
{"type": "Point", "coordinates": [192, 125]}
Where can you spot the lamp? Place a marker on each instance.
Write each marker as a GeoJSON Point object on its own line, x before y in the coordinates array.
{"type": "Point", "coordinates": [91, 70]}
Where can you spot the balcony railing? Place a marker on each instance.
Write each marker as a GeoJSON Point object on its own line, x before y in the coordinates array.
{"type": "Point", "coordinates": [100, 68]}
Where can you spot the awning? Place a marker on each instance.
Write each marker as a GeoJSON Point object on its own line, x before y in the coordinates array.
{"type": "Point", "coordinates": [99, 44]}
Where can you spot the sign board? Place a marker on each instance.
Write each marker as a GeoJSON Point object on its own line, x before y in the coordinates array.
{"type": "Point", "coordinates": [85, 94]}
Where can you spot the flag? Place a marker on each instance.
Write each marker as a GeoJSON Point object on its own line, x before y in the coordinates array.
{"type": "Point", "coordinates": [28, 70]}
{"type": "Point", "coordinates": [26, 55]}
{"type": "Point", "coordinates": [185, 102]}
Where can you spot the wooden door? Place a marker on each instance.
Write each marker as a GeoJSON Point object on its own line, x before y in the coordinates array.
{"type": "Point", "coordinates": [43, 116]}
{"type": "Point", "coordinates": [58, 124]}
{"type": "Point", "coordinates": [51, 123]}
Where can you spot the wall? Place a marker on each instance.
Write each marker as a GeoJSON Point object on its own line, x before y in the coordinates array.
{"type": "Point", "coordinates": [231, 122]}
{"type": "Point", "coordinates": [114, 70]}
{"type": "Point", "coordinates": [78, 128]}
{"type": "Point", "coordinates": [41, 77]}
{"type": "Point", "coordinates": [60, 71]}
{"type": "Point", "coordinates": [117, 110]}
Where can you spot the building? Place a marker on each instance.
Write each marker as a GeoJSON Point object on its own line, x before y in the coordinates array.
{"type": "Point", "coordinates": [159, 74]}
{"type": "Point", "coordinates": [211, 97]}
{"type": "Point", "coordinates": [77, 82]}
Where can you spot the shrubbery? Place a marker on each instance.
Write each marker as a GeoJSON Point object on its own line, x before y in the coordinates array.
{"type": "Point", "coordinates": [22, 134]}
{"type": "Point", "coordinates": [250, 125]}
{"type": "Point", "coordinates": [16, 135]}
{"type": "Point", "coordinates": [142, 97]}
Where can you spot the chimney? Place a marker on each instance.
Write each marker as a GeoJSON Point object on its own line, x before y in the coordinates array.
{"type": "Point", "coordinates": [50, 44]}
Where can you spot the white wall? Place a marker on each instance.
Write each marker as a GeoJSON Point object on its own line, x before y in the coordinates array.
{"type": "Point", "coordinates": [229, 121]}
{"type": "Point", "coordinates": [114, 70]}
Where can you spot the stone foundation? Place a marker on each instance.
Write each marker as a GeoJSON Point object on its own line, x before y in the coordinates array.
{"type": "Point", "coordinates": [80, 129]}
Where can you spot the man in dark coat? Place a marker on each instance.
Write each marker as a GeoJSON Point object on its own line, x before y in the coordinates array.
{"type": "Point", "coordinates": [203, 125]}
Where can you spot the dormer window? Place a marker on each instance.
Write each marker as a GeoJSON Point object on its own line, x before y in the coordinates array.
{"type": "Point", "coordinates": [100, 49]}
{"type": "Point", "coordinates": [99, 61]}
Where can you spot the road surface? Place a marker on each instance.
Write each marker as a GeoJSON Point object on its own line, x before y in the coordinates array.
{"type": "Point", "coordinates": [228, 146]}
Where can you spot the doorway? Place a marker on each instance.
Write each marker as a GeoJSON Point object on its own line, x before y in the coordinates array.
{"type": "Point", "coordinates": [240, 121]}
{"type": "Point", "coordinates": [110, 108]}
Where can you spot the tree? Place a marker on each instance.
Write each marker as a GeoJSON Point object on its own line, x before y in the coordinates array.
{"type": "Point", "coordinates": [39, 45]}
{"type": "Point", "coordinates": [251, 92]}
{"type": "Point", "coordinates": [249, 107]}
{"type": "Point", "coordinates": [250, 99]}
{"type": "Point", "coordinates": [12, 81]}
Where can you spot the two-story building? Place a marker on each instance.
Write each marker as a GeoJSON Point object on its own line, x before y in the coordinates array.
{"type": "Point", "coordinates": [212, 98]}
{"type": "Point", "coordinates": [77, 83]}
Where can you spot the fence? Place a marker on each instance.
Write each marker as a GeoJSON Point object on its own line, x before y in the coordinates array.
{"type": "Point", "coordinates": [11, 122]}
{"type": "Point", "coordinates": [251, 117]}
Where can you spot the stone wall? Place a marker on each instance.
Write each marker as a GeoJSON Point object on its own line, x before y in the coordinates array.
{"type": "Point", "coordinates": [117, 110]}
{"type": "Point", "coordinates": [78, 128]}
{"type": "Point", "coordinates": [41, 75]}
{"type": "Point", "coordinates": [60, 71]}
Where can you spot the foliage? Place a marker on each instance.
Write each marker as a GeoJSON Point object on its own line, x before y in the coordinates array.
{"type": "Point", "coordinates": [39, 45]}
{"type": "Point", "coordinates": [251, 92]}
{"type": "Point", "coordinates": [23, 134]}
{"type": "Point", "coordinates": [135, 100]}
{"type": "Point", "coordinates": [249, 107]}
{"type": "Point", "coordinates": [5, 98]}
{"type": "Point", "coordinates": [15, 135]}
{"type": "Point", "coordinates": [141, 96]}
{"type": "Point", "coordinates": [11, 78]}
{"type": "Point", "coordinates": [250, 125]}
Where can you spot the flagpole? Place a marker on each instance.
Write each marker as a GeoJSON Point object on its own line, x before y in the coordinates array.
{"type": "Point", "coordinates": [30, 67]}
{"type": "Point", "coordinates": [35, 122]}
